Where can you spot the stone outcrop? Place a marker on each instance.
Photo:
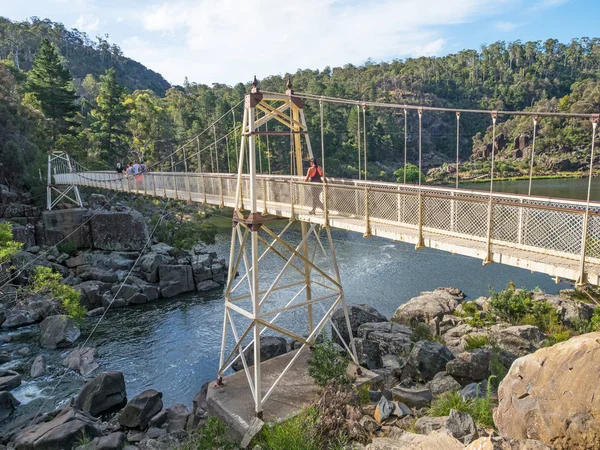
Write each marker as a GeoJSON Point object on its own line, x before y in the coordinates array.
{"type": "Point", "coordinates": [429, 358]}
{"type": "Point", "coordinates": [103, 393]}
{"type": "Point", "coordinates": [9, 379]}
{"type": "Point", "coordinates": [82, 360]}
{"type": "Point", "coordinates": [8, 403]}
{"type": "Point", "coordinates": [470, 366]}
{"type": "Point", "coordinates": [359, 314]}
{"type": "Point", "coordinates": [506, 443]}
{"type": "Point", "coordinates": [406, 441]}
{"type": "Point", "coordinates": [549, 395]}
{"type": "Point", "coordinates": [58, 332]}
{"type": "Point", "coordinates": [176, 279]}
{"type": "Point", "coordinates": [118, 231]}
{"type": "Point", "coordinates": [63, 432]}
{"type": "Point", "coordinates": [140, 409]}
{"type": "Point", "coordinates": [428, 306]}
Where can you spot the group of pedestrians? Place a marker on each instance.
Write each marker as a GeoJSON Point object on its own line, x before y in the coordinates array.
{"type": "Point", "coordinates": [133, 168]}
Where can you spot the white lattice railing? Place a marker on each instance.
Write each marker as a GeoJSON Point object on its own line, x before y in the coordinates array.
{"type": "Point", "coordinates": [538, 224]}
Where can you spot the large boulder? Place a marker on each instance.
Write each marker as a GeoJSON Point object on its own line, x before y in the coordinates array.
{"type": "Point", "coordinates": [270, 347]}
{"type": "Point", "coordinates": [413, 397]}
{"type": "Point", "coordinates": [58, 332]}
{"type": "Point", "coordinates": [8, 404]}
{"type": "Point", "coordinates": [442, 382]}
{"type": "Point", "coordinates": [429, 358]}
{"type": "Point", "coordinates": [38, 367]}
{"type": "Point", "coordinates": [82, 360]}
{"type": "Point", "coordinates": [368, 353]}
{"type": "Point", "coordinates": [140, 409]}
{"type": "Point", "coordinates": [470, 366]}
{"type": "Point", "coordinates": [410, 441]}
{"type": "Point", "coordinates": [516, 341]}
{"type": "Point", "coordinates": [550, 395]}
{"type": "Point", "coordinates": [91, 293]}
{"type": "Point", "coordinates": [118, 231]}
{"type": "Point", "coordinates": [9, 379]}
{"type": "Point", "coordinates": [175, 280]}
{"type": "Point", "coordinates": [358, 314]}
{"type": "Point", "coordinates": [36, 309]}
{"type": "Point", "coordinates": [428, 306]}
{"type": "Point", "coordinates": [150, 262]}
{"type": "Point", "coordinates": [506, 443]}
{"type": "Point", "coordinates": [92, 273]}
{"type": "Point", "coordinates": [177, 416]}
{"type": "Point", "coordinates": [393, 338]}
{"type": "Point", "coordinates": [102, 394]}
{"type": "Point", "coordinates": [63, 432]}
{"type": "Point", "coordinates": [461, 426]}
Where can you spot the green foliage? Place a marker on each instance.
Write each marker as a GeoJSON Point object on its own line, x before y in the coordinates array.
{"type": "Point", "coordinates": [183, 228]}
{"type": "Point", "coordinates": [363, 394]}
{"type": "Point", "coordinates": [8, 247]}
{"type": "Point", "coordinates": [412, 174]}
{"type": "Point", "coordinates": [109, 130]}
{"type": "Point", "coordinates": [67, 247]}
{"type": "Point", "coordinates": [480, 409]}
{"type": "Point", "coordinates": [209, 437]}
{"type": "Point", "coordinates": [326, 365]}
{"type": "Point", "coordinates": [497, 369]}
{"type": "Point", "coordinates": [46, 281]}
{"type": "Point", "coordinates": [297, 433]}
{"type": "Point", "coordinates": [51, 84]}
{"type": "Point", "coordinates": [474, 342]}
{"type": "Point", "coordinates": [422, 332]}
{"type": "Point", "coordinates": [470, 308]}
{"type": "Point", "coordinates": [595, 320]}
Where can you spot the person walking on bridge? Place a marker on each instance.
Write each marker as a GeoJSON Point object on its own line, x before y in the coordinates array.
{"type": "Point", "coordinates": [315, 175]}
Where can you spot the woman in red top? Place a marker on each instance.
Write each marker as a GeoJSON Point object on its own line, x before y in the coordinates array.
{"type": "Point", "coordinates": [314, 175]}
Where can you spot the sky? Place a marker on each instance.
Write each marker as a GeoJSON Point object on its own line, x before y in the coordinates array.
{"type": "Point", "coordinates": [229, 41]}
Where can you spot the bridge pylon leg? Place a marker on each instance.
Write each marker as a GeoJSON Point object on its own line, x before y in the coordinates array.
{"type": "Point", "coordinates": [288, 285]}
{"type": "Point", "coordinates": [60, 163]}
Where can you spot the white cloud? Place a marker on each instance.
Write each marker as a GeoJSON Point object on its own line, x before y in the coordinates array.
{"type": "Point", "coordinates": [88, 23]}
{"type": "Point", "coordinates": [229, 40]}
{"type": "Point", "coordinates": [506, 26]}
{"type": "Point", "coordinates": [546, 4]}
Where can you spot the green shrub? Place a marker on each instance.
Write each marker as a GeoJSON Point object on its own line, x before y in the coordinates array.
{"type": "Point", "coordinates": [67, 247]}
{"type": "Point", "coordinates": [8, 247]}
{"type": "Point", "coordinates": [297, 433]}
{"type": "Point", "coordinates": [497, 369]}
{"type": "Point", "coordinates": [46, 281]}
{"type": "Point", "coordinates": [480, 409]}
{"type": "Point", "coordinates": [595, 320]}
{"type": "Point", "coordinates": [557, 337]}
{"type": "Point", "coordinates": [326, 365]}
{"type": "Point", "coordinates": [363, 394]}
{"type": "Point", "coordinates": [474, 342]}
{"type": "Point", "coordinates": [470, 309]}
{"type": "Point", "coordinates": [209, 437]}
{"type": "Point", "coordinates": [412, 174]}
{"type": "Point", "coordinates": [422, 332]}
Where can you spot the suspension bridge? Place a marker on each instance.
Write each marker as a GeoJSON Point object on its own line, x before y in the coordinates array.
{"type": "Point", "coordinates": [558, 237]}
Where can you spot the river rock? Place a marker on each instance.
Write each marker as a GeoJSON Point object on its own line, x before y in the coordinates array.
{"type": "Point", "coordinates": [470, 366]}
{"type": "Point", "coordinates": [410, 441]}
{"type": "Point", "coordinates": [140, 409]}
{"type": "Point", "coordinates": [429, 358]}
{"type": "Point", "coordinates": [82, 360]}
{"type": "Point", "coordinates": [270, 347]}
{"type": "Point", "coordinates": [175, 280]}
{"type": "Point", "coordinates": [392, 338]}
{"type": "Point", "coordinates": [118, 231]}
{"type": "Point", "coordinates": [90, 273]}
{"type": "Point", "coordinates": [441, 383]}
{"type": "Point", "coordinates": [58, 332]}
{"type": "Point", "coordinates": [38, 367]}
{"type": "Point", "coordinates": [8, 403]}
{"type": "Point", "coordinates": [461, 426]}
{"type": "Point", "coordinates": [412, 397]}
{"type": "Point", "coordinates": [35, 310]}
{"type": "Point", "coordinates": [506, 443]}
{"type": "Point", "coordinates": [428, 306]}
{"type": "Point", "coordinates": [177, 416]}
{"type": "Point", "coordinates": [368, 353]}
{"type": "Point", "coordinates": [358, 314]}
{"type": "Point", "coordinates": [63, 432]}
{"type": "Point", "coordinates": [428, 425]}
{"type": "Point", "coordinates": [548, 395]}
{"type": "Point", "coordinates": [91, 293]}
{"type": "Point", "coordinates": [103, 393]}
{"type": "Point", "coordinates": [4, 357]}
{"type": "Point", "coordinates": [474, 390]}
{"type": "Point", "coordinates": [9, 379]}
{"type": "Point", "coordinates": [150, 263]}
{"type": "Point", "coordinates": [114, 441]}
{"type": "Point", "coordinates": [516, 341]}
{"type": "Point", "coordinates": [208, 285]}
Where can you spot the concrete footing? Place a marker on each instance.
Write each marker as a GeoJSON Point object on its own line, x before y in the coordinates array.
{"type": "Point", "coordinates": [234, 405]}
{"type": "Point", "coordinates": [59, 223]}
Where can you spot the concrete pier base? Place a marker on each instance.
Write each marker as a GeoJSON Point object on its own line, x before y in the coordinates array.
{"type": "Point", "coordinates": [234, 405]}
{"type": "Point", "coordinates": [59, 223]}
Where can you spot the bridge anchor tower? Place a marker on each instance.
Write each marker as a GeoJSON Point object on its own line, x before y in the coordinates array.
{"type": "Point", "coordinates": [60, 163]}
{"type": "Point", "coordinates": [290, 283]}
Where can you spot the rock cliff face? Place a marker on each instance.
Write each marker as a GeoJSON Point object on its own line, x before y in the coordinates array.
{"type": "Point", "coordinates": [552, 395]}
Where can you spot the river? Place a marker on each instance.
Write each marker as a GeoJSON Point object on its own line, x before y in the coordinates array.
{"type": "Point", "coordinates": [173, 345]}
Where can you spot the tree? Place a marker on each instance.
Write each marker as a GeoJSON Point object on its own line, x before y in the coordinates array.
{"type": "Point", "coordinates": [109, 131]}
{"type": "Point", "coordinates": [412, 174]}
{"type": "Point", "coordinates": [51, 84]}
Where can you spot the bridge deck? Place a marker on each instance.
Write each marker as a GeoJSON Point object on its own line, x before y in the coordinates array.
{"type": "Point", "coordinates": [540, 234]}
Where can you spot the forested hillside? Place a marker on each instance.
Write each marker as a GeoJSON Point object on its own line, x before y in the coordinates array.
{"type": "Point", "coordinates": [19, 41]}
{"type": "Point", "coordinates": [106, 121]}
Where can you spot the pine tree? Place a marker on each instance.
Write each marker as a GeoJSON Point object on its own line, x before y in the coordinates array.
{"type": "Point", "coordinates": [51, 84]}
{"type": "Point", "coordinates": [110, 132]}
